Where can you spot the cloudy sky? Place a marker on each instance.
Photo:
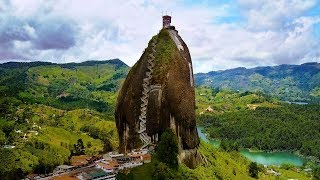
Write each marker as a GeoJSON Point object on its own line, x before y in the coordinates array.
{"type": "Point", "coordinates": [221, 34]}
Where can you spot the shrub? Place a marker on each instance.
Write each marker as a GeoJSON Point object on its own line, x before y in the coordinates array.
{"type": "Point", "coordinates": [253, 170]}
{"type": "Point", "coordinates": [167, 149]}
{"type": "Point", "coordinates": [316, 173]}
{"type": "Point", "coordinates": [161, 172]}
{"type": "Point", "coordinates": [287, 166]}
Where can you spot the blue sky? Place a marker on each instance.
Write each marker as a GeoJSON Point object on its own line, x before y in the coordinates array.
{"type": "Point", "coordinates": [220, 34]}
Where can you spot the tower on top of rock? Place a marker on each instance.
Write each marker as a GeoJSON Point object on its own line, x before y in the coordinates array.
{"type": "Point", "coordinates": [166, 20]}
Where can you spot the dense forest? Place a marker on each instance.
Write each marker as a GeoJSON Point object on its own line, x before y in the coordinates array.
{"type": "Point", "coordinates": [287, 127]}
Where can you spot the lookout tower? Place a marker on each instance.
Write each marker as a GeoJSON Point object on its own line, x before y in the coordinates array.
{"type": "Point", "coordinates": [166, 20]}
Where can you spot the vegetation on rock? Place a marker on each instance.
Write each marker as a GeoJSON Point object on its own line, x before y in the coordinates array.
{"type": "Point", "coordinates": [176, 98]}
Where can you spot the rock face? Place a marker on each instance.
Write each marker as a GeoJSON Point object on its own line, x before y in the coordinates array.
{"type": "Point", "coordinates": [157, 94]}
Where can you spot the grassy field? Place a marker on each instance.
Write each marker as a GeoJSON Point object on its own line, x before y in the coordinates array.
{"type": "Point", "coordinates": [57, 137]}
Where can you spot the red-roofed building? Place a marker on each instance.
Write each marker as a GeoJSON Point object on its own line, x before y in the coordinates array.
{"type": "Point", "coordinates": [81, 160]}
{"type": "Point", "coordinates": [146, 158]}
{"type": "Point", "coordinates": [109, 166]}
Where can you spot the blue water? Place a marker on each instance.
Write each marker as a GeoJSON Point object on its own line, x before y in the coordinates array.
{"type": "Point", "coordinates": [214, 142]}
{"type": "Point", "coordinates": [273, 158]}
{"type": "Point", "coordinates": [266, 158]}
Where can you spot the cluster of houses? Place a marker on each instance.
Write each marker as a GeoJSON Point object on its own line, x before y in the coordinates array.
{"type": "Point", "coordinates": [24, 135]}
{"type": "Point", "coordinates": [112, 162]}
{"type": "Point", "coordinates": [100, 167]}
{"type": "Point", "coordinates": [29, 133]}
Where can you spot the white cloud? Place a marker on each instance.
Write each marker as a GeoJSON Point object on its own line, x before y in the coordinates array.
{"type": "Point", "coordinates": [270, 33]}
{"type": "Point", "coordinates": [273, 14]}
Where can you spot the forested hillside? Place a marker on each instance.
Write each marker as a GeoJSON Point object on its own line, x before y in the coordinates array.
{"type": "Point", "coordinates": [284, 82]}
{"type": "Point", "coordinates": [90, 84]}
{"type": "Point", "coordinates": [47, 109]}
{"type": "Point", "coordinates": [255, 120]}
{"type": "Point", "coordinates": [282, 128]}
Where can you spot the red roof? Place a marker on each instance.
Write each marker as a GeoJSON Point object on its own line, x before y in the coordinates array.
{"type": "Point", "coordinates": [135, 155]}
{"type": "Point", "coordinates": [105, 166]}
{"type": "Point", "coordinates": [80, 160]}
{"type": "Point", "coordinates": [110, 165]}
{"type": "Point", "coordinates": [146, 157]}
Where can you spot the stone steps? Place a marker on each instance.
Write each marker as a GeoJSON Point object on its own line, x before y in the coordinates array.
{"type": "Point", "coordinates": [142, 119]}
{"type": "Point", "coordinates": [145, 137]}
{"type": "Point", "coordinates": [144, 99]}
{"type": "Point", "coordinates": [143, 113]}
{"type": "Point", "coordinates": [142, 129]}
{"type": "Point", "coordinates": [143, 109]}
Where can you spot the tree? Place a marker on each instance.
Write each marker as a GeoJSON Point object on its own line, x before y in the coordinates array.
{"type": "Point", "coordinates": [124, 176]}
{"type": "Point", "coordinates": [167, 149]}
{"type": "Point", "coordinates": [79, 147]}
{"type": "Point", "coordinates": [2, 138]}
{"type": "Point", "coordinates": [89, 145]}
{"type": "Point", "coordinates": [161, 172]}
{"type": "Point", "coordinates": [253, 170]}
{"type": "Point", "coordinates": [316, 173]}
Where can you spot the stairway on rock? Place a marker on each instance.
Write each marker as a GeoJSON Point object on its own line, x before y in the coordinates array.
{"type": "Point", "coordinates": [144, 99]}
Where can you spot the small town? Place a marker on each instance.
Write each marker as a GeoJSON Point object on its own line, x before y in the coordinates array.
{"type": "Point", "coordinates": [97, 167]}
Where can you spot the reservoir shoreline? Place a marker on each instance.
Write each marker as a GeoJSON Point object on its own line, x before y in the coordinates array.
{"type": "Point", "coordinates": [275, 157]}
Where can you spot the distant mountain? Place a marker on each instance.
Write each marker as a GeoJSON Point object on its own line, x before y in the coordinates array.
{"type": "Point", "coordinates": [285, 82]}
{"type": "Point", "coordinates": [116, 62]}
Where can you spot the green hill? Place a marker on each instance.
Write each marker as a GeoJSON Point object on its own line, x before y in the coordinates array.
{"type": "Point", "coordinates": [213, 100]}
{"type": "Point", "coordinates": [90, 84]}
{"type": "Point", "coordinates": [46, 108]}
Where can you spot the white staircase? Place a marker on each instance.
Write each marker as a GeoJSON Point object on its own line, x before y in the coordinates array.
{"type": "Point", "coordinates": [144, 99]}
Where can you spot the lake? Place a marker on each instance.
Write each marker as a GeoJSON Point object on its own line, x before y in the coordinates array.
{"type": "Point", "coordinates": [266, 158]}
{"type": "Point", "coordinates": [273, 158]}
{"type": "Point", "coordinates": [214, 142]}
